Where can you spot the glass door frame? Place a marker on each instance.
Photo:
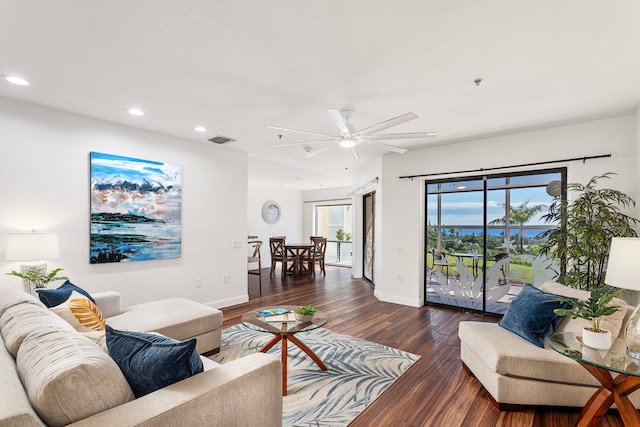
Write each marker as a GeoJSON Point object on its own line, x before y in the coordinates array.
{"type": "Point", "coordinates": [365, 242]}
{"type": "Point", "coordinates": [485, 188]}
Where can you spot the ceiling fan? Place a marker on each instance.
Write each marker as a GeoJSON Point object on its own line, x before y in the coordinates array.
{"type": "Point", "coordinates": [349, 138]}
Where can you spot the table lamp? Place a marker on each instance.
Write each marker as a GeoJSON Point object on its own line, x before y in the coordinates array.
{"type": "Point", "coordinates": [32, 247]}
{"type": "Point", "coordinates": [624, 272]}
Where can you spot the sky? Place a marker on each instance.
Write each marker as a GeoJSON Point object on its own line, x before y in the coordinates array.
{"type": "Point", "coordinates": [466, 207]}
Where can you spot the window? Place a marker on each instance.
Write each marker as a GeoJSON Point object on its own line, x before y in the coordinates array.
{"type": "Point", "coordinates": [483, 238]}
{"type": "Point", "coordinates": [335, 222]}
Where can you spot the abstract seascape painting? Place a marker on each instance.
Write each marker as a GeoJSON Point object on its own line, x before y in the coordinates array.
{"type": "Point", "coordinates": [136, 209]}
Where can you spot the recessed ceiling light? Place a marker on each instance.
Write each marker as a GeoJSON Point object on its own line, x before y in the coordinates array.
{"type": "Point", "coordinates": [16, 80]}
{"type": "Point", "coordinates": [200, 129]}
{"type": "Point", "coordinates": [135, 111]}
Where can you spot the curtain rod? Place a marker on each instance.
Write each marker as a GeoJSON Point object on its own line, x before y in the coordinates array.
{"type": "Point", "coordinates": [584, 159]}
{"type": "Point", "coordinates": [364, 186]}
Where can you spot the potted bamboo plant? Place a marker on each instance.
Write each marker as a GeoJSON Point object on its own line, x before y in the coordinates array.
{"type": "Point", "coordinates": [586, 226]}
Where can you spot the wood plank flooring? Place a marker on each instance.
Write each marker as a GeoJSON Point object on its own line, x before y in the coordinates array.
{"type": "Point", "coordinates": [436, 391]}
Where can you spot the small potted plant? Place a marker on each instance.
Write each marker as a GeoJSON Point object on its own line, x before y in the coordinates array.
{"type": "Point", "coordinates": [592, 310]}
{"type": "Point", "coordinates": [305, 313]}
{"type": "Point", "coordinates": [38, 276]}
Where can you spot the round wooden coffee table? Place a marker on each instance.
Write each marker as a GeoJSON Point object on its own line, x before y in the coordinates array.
{"type": "Point", "coordinates": [284, 331]}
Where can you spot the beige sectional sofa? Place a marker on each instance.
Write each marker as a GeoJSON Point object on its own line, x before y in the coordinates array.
{"type": "Point", "coordinates": [517, 373]}
{"type": "Point", "coordinates": [52, 375]}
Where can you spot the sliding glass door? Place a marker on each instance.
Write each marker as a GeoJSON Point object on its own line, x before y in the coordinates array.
{"type": "Point", "coordinates": [483, 238]}
{"type": "Point", "coordinates": [369, 203]}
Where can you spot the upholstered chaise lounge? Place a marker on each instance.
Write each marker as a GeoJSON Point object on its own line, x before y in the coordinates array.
{"type": "Point", "coordinates": [515, 372]}
{"type": "Point", "coordinates": [178, 318]}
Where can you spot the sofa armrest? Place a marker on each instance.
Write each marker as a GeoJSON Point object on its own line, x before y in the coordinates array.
{"type": "Point", "coordinates": [244, 392]}
{"type": "Point", "coordinates": [109, 302]}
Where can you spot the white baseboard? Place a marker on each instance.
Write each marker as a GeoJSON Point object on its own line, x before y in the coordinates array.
{"type": "Point", "coordinates": [229, 301]}
{"type": "Point", "coordinates": [411, 302]}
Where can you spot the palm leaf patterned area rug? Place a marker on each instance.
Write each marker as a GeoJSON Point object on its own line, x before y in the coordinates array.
{"type": "Point", "coordinates": [358, 372]}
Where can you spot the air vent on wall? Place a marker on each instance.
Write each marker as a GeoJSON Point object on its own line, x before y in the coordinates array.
{"type": "Point", "coordinates": [221, 139]}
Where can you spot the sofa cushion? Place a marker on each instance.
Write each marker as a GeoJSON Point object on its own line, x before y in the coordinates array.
{"type": "Point", "coordinates": [178, 318]}
{"type": "Point", "coordinates": [10, 297]}
{"type": "Point", "coordinates": [612, 323]}
{"type": "Point", "coordinates": [20, 320]}
{"type": "Point", "coordinates": [531, 315]}
{"type": "Point", "coordinates": [54, 297]}
{"type": "Point", "coordinates": [15, 408]}
{"type": "Point", "coordinates": [150, 361]}
{"type": "Point", "coordinates": [68, 377]}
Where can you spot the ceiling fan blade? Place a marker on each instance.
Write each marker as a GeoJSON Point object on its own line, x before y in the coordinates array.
{"type": "Point", "coordinates": [388, 147]}
{"type": "Point", "coordinates": [354, 153]}
{"type": "Point", "coordinates": [301, 131]}
{"type": "Point", "coordinates": [415, 135]}
{"type": "Point", "coordinates": [340, 122]}
{"type": "Point", "coordinates": [386, 124]}
{"type": "Point", "coordinates": [293, 144]}
{"type": "Point", "coordinates": [313, 153]}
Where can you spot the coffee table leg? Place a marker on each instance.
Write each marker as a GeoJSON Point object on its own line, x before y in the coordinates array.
{"type": "Point", "coordinates": [625, 385]}
{"type": "Point", "coordinates": [611, 390]}
{"type": "Point", "coordinates": [284, 338]}
{"type": "Point", "coordinates": [284, 364]}
{"type": "Point", "coordinates": [309, 352]}
{"type": "Point", "coordinates": [270, 344]}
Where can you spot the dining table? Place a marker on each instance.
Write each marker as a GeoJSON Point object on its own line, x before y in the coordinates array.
{"type": "Point", "coordinates": [475, 260]}
{"type": "Point", "coordinates": [296, 252]}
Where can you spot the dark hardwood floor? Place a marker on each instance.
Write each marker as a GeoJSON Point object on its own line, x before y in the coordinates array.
{"type": "Point", "coordinates": [436, 391]}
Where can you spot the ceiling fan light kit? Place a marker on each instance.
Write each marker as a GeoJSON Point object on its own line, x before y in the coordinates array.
{"type": "Point", "coordinates": [347, 142]}
{"type": "Point", "coordinates": [349, 137]}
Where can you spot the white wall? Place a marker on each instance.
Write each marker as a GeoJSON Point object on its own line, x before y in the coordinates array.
{"type": "Point", "coordinates": [402, 200]}
{"type": "Point", "coordinates": [289, 225]}
{"type": "Point", "coordinates": [44, 170]}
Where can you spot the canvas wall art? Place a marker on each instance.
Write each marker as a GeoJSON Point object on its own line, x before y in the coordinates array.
{"type": "Point", "coordinates": [136, 209]}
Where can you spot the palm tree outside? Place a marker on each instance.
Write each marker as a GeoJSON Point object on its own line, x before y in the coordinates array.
{"type": "Point", "coordinates": [519, 216]}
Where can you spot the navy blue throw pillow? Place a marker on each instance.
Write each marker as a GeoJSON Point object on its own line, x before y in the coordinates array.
{"type": "Point", "coordinates": [150, 362]}
{"type": "Point", "coordinates": [531, 315]}
{"type": "Point", "coordinates": [55, 297]}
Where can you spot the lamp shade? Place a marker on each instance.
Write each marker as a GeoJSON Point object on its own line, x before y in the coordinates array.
{"type": "Point", "coordinates": [32, 246]}
{"type": "Point", "coordinates": [623, 270]}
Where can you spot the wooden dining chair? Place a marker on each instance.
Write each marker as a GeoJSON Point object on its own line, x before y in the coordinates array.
{"type": "Point", "coordinates": [278, 254]}
{"type": "Point", "coordinates": [255, 257]}
{"type": "Point", "coordinates": [316, 254]}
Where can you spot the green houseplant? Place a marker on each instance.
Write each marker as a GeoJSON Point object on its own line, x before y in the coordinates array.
{"type": "Point", "coordinates": [586, 226]}
{"type": "Point", "coordinates": [39, 277]}
{"type": "Point", "coordinates": [592, 310]}
{"type": "Point", "coordinates": [305, 313]}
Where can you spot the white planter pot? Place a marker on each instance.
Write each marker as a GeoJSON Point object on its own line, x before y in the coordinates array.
{"type": "Point", "coordinates": [304, 317]}
{"type": "Point", "coordinates": [599, 340]}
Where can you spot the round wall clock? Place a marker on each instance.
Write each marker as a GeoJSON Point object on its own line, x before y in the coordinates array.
{"type": "Point", "coordinates": [271, 212]}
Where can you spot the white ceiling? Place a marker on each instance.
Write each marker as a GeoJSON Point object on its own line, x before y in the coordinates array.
{"type": "Point", "coordinates": [238, 66]}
